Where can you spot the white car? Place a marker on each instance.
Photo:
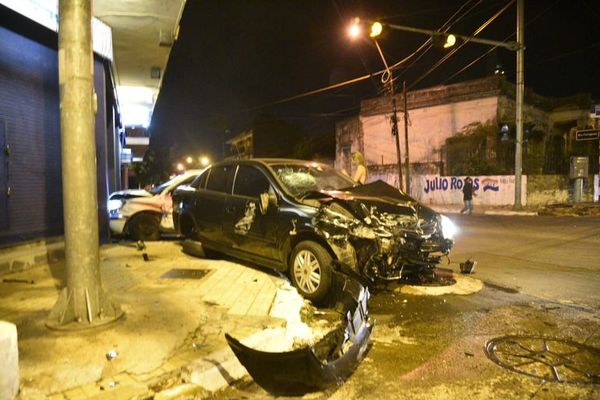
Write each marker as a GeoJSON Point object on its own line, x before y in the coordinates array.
{"type": "Point", "coordinates": [142, 214]}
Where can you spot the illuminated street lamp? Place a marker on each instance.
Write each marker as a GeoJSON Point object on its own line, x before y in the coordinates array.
{"type": "Point", "coordinates": [204, 161]}
{"type": "Point", "coordinates": [447, 40]}
{"type": "Point", "coordinates": [180, 167]}
{"type": "Point", "coordinates": [355, 29]}
{"type": "Point", "coordinates": [189, 159]}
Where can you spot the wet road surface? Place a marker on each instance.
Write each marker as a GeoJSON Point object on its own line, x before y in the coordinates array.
{"type": "Point", "coordinates": [541, 279]}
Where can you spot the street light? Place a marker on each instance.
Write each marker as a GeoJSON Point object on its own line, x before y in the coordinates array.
{"type": "Point", "coordinates": [355, 31]}
{"type": "Point", "coordinates": [204, 161]}
{"type": "Point", "coordinates": [189, 159]}
{"type": "Point", "coordinates": [518, 46]}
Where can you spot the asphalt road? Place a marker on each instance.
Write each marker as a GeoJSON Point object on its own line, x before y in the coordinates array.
{"type": "Point", "coordinates": [541, 279]}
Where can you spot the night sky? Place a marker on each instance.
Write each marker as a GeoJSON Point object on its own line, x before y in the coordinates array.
{"type": "Point", "coordinates": [235, 59]}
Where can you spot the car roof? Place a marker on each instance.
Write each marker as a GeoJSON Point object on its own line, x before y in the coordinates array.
{"type": "Point", "coordinates": [268, 161]}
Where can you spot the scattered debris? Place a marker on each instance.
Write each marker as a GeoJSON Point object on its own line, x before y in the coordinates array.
{"type": "Point", "coordinates": [313, 367]}
{"type": "Point", "coordinates": [112, 354]}
{"type": "Point", "coordinates": [12, 280]}
{"type": "Point", "coordinates": [141, 246]}
{"type": "Point", "coordinates": [469, 354]}
{"type": "Point", "coordinates": [468, 266]}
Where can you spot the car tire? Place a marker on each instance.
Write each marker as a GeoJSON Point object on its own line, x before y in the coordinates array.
{"type": "Point", "coordinates": [310, 271]}
{"type": "Point", "coordinates": [144, 226]}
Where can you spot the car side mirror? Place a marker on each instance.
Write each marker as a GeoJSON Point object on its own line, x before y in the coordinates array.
{"type": "Point", "coordinates": [267, 199]}
{"type": "Point", "coordinates": [272, 198]}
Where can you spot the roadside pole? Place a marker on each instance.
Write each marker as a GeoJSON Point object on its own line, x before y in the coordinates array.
{"type": "Point", "coordinates": [82, 303]}
{"type": "Point", "coordinates": [390, 79]}
{"type": "Point", "coordinates": [406, 155]}
{"type": "Point", "coordinates": [519, 103]}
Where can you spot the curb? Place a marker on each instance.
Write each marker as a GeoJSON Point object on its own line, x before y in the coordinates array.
{"type": "Point", "coordinates": [507, 212]}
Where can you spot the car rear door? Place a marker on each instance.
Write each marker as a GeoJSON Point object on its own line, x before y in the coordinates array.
{"type": "Point", "coordinates": [208, 204]}
{"type": "Point", "coordinates": [249, 226]}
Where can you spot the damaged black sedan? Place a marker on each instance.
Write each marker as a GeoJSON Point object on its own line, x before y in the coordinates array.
{"type": "Point", "coordinates": [308, 219]}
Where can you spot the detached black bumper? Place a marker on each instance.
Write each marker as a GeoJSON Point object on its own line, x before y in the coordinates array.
{"type": "Point", "coordinates": [312, 368]}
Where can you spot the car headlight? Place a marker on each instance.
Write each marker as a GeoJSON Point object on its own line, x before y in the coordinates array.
{"type": "Point", "coordinates": [114, 208]}
{"type": "Point", "coordinates": [449, 228]}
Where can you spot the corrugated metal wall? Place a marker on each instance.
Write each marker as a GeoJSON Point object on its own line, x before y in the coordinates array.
{"type": "Point", "coordinates": [29, 105]}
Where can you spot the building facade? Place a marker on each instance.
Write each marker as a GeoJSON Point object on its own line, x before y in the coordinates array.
{"type": "Point", "coordinates": [440, 113]}
{"type": "Point", "coordinates": [31, 205]}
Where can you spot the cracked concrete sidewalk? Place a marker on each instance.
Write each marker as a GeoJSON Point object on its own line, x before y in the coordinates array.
{"type": "Point", "coordinates": [170, 342]}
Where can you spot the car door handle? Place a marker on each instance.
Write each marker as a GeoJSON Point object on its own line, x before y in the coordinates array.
{"type": "Point", "coordinates": [230, 210]}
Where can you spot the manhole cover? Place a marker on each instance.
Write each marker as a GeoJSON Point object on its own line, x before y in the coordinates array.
{"type": "Point", "coordinates": [185, 273]}
{"type": "Point", "coordinates": [545, 358]}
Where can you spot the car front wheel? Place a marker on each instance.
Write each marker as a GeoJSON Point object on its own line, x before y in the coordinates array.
{"type": "Point", "coordinates": [310, 270]}
{"type": "Point", "coordinates": [145, 227]}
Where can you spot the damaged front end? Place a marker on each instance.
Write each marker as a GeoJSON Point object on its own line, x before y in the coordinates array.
{"type": "Point", "coordinates": [317, 367]}
{"type": "Point", "coordinates": [381, 236]}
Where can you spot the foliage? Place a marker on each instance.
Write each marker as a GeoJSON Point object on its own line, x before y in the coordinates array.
{"type": "Point", "coordinates": [472, 151]}
{"type": "Point", "coordinates": [154, 169]}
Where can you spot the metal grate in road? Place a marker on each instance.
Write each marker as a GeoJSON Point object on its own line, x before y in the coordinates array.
{"type": "Point", "coordinates": [549, 359]}
{"type": "Point", "coordinates": [185, 273]}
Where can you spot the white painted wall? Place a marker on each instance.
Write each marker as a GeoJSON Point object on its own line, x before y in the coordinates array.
{"type": "Point", "coordinates": [9, 361]}
{"type": "Point", "coordinates": [428, 130]}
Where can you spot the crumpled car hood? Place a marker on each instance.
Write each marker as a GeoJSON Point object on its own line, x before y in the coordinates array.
{"type": "Point", "coordinates": [129, 194]}
{"type": "Point", "coordinates": [378, 194]}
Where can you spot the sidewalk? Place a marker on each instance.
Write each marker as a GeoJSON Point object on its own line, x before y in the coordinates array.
{"type": "Point", "coordinates": [177, 310]}
{"type": "Point", "coordinates": [485, 210]}
{"type": "Point", "coordinates": [568, 209]}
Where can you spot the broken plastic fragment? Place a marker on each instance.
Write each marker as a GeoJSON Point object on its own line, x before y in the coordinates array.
{"type": "Point", "coordinates": [112, 354]}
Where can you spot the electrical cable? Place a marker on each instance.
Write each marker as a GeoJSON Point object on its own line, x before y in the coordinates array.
{"type": "Point", "coordinates": [358, 79]}
{"type": "Point", "coordinates": [538, 15]}
{"type": "Point", "coordinates": [451, 53]}
{"type": "Point", "coordinates": [444, 28]}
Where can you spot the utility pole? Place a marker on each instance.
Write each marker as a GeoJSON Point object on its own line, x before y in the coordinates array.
{"type": "Point", "coordinates": [394, 115]}
{"type": "Point", "coordinates": [519, 102]}
{"type": "Point", "coordinates": [406, 156]}
{"type": "Point", "coordinates": [82, 303]}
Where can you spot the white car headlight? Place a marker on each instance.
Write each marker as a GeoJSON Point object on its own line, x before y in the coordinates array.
{"type": "Point", "coordinates": [449, 228]}
{"type": "Point", "coordinates": [114, 208]}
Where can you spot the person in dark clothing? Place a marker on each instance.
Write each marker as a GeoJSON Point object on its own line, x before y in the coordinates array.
{"type": "Point", "coordinates": [468, 196]}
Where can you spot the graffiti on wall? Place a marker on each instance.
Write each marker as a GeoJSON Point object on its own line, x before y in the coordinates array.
{"type": "Point", "coordinates": [489, 190]}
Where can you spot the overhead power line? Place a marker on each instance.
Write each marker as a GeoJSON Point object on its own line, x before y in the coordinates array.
{"type": "Point", "coordinates": [445, 26]}
{"type": "Point", "coordinates": [451, 53]}
{"type": "Point", "coordinates": [538, 15]}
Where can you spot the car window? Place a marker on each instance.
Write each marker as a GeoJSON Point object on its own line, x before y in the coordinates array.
{"type": "Point", "coordinates": [200, 181]}
{"type": "Point", "coordinates": [186, 181]}
{"type": "Point", "coordinates": [220, 178]}
{"type": "Point", "coordinates": [250, 181]}
{"type": "Point", "coordinates": [300, 179]}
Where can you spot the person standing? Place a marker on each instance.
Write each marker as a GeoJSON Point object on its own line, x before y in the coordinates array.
{"type": "Point", "coordinates": [360, 174]}
{"type": "Point", "coordinates": [467, 196]}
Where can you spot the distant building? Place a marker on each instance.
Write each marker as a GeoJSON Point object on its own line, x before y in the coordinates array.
{"type": "Point", "coordinates": [268, 137]}
{"type": "Point", "coordinates": [241, 146]}
{"type": "Point", "coordinates": [440, 113]}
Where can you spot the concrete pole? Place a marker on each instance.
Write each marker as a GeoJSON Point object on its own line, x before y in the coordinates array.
{"type": "Point", "coordinates": [406, 154]}
{"type": "Point", "coordinates": [397, 135]}
{"type": "Point", "coordinates": [519, 102]}
{"type": "Point", "coordinates": [394, 114]}
{"type": "Point", "coordinates": [82, 303]}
